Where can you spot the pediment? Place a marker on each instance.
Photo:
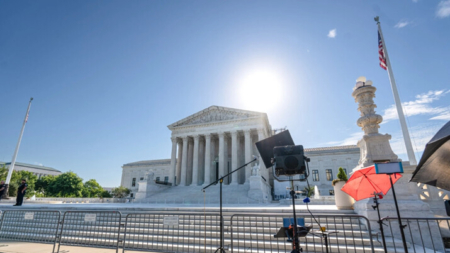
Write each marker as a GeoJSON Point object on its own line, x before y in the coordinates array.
{"type": "Point", "coordinates": [216, 114]}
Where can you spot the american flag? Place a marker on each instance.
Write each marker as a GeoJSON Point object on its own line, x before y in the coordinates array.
{"type": "Point", "coordinates": [381, 52]}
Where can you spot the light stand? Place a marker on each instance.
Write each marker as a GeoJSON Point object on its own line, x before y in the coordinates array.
{"type": "Point", "coordinates": [398, 215]}
{"type": "Point", "coordinates": [296, 246]}
{"type": "Point", "coordinates": [376, 206]}
{"type": "Point", "coordinates": [220, 180]}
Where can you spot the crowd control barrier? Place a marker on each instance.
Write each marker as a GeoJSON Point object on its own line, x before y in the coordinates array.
{"type": "Point", "coordinates": [90, 229]}
{"type": "Point", "coordinates": [185, 232]}
{"type": "Point", "coordinates": [172, 232]}
{"type": "Point", "coordinates": [421, 234]}
{"type": "Point", "coordinates": [30, 226]}
{"type": "Point", "coordinates": [255, 233]}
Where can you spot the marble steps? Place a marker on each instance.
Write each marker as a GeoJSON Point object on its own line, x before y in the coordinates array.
{"type": "Point", "coordinates": [195, 195]}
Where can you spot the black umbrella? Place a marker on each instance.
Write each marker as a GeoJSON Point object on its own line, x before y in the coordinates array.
{"type": "Point", "coordinates": [434, 166]}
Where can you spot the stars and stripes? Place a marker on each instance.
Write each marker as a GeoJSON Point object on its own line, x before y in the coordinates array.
{"type": "Point", "coordinates": [381, 52]}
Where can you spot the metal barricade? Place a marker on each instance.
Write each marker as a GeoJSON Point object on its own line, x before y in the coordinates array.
{"type": "Point", "coordinates": [172, 232]}
{"type": "Point", "coordinates": [30, 226]}
{"type": "Point", "coordinates": [421, 234]}
{"type": "Point", "coordinates": [90, 229]}
{"type": "Point", "coordinates": [255, 233]}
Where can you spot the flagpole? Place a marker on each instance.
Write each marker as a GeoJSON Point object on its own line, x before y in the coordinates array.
{"type": "Point", "coordinates": [398, 104]}
{"type": "Point", "coordinates": [11, 166]}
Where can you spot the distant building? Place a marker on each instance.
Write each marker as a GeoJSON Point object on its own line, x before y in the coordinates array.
{"type": "Point", "coordinates": [135, 172]}
{"type": "Point", "coordinates": [37, 170]}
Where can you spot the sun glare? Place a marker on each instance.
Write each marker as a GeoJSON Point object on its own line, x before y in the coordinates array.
{"type": "Point", "coordinates": [261, 90]}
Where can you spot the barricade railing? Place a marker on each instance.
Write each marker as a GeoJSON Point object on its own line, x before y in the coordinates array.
{"type": "Point", "coordinates": [90, 229]}
{"type": "Point", "coordinates": [30, 226]}
{"type": "Point", "coordinates": [255, 233]}
{"type": "Point", "coordinates": [172, 232]}
{"type": "Point", "coordinates": [421, 234]}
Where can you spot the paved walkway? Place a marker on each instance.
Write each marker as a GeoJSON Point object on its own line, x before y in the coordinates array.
{"type": "Point", "coordinates": [169, 207]}
{"type": "Point", "coordinates": [25, 247]}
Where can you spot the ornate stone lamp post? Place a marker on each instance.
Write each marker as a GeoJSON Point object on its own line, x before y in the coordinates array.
{"type": "Point", "coordinates": [374, 146]}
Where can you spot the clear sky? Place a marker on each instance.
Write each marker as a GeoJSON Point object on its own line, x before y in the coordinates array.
{"type": "Point", "coordinates": [107, 77]}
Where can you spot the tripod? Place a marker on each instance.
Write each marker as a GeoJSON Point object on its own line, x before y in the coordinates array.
{"type": "Point", "coordinates": [380, 222]}
{"type": "Point", "coordinates": [220, 180]}
{"type": "Point", "coordinates": [295, 243]}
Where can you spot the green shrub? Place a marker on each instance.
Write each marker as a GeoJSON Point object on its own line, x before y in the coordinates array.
{"type": "Point", "coordinates": [341, 176]}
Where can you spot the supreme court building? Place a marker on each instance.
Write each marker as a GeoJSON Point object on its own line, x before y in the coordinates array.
{"type": "Point", "coordinates": [212, 143]}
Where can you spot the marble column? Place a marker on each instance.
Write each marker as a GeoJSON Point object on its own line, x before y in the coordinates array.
{"type": "Point", "coordinates": [184, 161]}
{"type": "Point", "coordinates": [190, 161]}
{"type": "Point", "coordinates": [180, 150]}
{"type": "Point", "coordinates": [262, 167]}
{"type": "Point", "coordinates": [195, 162]}
{"type": "Point", "coordinates": [173, 161]}
{"type": "Point", "coordinates": [207, 159]}
{"type": "Point", "coordinates": [222, 160]}
{"type": "Point", "coordinates": [234, 157]}
{"type": "Point", "coordinates": [248, 154]}
{"type": "Point", "coordinates": [201, 161]}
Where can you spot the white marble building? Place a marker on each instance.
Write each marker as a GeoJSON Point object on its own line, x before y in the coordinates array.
{"type": "Point", "coordinates": [134, 173]}
{"type": "Point", "coordinates": [215, 134]}
{"type": "Point", "coordinates": [203, 140]}
{"type": "Point", "coordinates": [37, 170]}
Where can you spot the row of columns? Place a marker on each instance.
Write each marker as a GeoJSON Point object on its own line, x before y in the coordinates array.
{"type": "Point", "coordinates": [181, 144]}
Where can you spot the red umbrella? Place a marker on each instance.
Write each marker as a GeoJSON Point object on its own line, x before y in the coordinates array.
{"type": "Point", "coordinates": [365, 182]}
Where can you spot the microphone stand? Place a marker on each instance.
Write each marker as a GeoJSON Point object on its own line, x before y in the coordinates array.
{"type": "Point", "coordinates": [221, 249]}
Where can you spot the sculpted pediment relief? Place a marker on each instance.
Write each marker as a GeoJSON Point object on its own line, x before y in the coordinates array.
{"type": "Point", "coordinates": [216, 114]}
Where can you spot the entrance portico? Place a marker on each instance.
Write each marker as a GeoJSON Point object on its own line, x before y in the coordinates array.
{"type": "Point", "coordinates": [217, 134]}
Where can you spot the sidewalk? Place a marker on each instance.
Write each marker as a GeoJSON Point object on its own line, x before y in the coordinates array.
{"type": "Point", "coordinates": [26, 247]}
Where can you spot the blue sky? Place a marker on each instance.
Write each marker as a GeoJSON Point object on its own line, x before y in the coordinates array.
{"type": "Point", "coordinates": [109, 76]}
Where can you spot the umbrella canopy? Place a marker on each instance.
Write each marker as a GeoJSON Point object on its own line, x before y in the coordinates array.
{"type": "Point", "coordinates": [365, 182]}
{"type": "Point", "coordinates": [434, 166]}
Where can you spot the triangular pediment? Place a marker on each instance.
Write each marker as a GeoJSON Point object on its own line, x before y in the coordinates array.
{"type": "Point", "coordinates": [216, 114]}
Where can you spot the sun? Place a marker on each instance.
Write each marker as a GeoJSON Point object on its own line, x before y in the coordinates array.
{"type": "Point", "coordinates": [260, 90]}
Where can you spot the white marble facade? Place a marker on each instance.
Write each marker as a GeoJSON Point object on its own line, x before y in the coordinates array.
{"type": "Point", "coordinates": [218, 140]}
{"type": "Point", "coordinates": [135, 172]}
{"type": "Point", "coordinates": [206, 145]}
{"type": "Point", "coordinates": [216, 135]}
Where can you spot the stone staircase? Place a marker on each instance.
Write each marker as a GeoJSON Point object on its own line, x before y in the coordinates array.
{"type": "Point", "coordinates": [231, 194]}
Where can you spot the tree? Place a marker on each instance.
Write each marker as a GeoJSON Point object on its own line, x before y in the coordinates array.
{"type": "Point", "coordinates": [105, 194]}
{"type": "Point", "coordinates": [16, 180]}
{"type": "Point", "coordinates": [18, 176]}
{"type": "Point", "coordinates": [92, 189]}
{"type": "Point", "coordinates": [45, 185]}
{"type": "Point", "coordinates": [3, 172]}
{"type": "Point", "coordinates": [68, 185]}
{"type": "Point", "coordinates": [121, 192]}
